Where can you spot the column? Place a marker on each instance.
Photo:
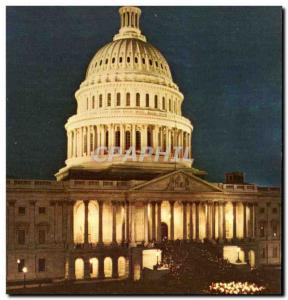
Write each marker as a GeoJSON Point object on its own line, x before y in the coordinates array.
{"type": "Point", "coordinates": [88, 152]}
{"type": "Point", "coordinates": [191, 221]}
{"type": "Point", "coordinates": [81, 142]}
{"type": "Point", "coordinates": [207, 220]}
{"type": "Point", "coordinates": [224, 220]}
{"type": "Point", "coordinates": [197, 220]}
{"type": "Point", "coordinates": [101, 267]}
{"type": "Point", "coordinates": [70, 223]}
{"type": "Point", "coordinates": [98, 136]}
{"type": "Point", "coordinates": [220, 226]}
{"type": "Point", "coordinates": [123, 221]}
{"type": "Point", "coordinates": [244, 221]}
{"type": "Point", "coordinates": [132, 220]}
{"type": "Point", "coordinates": [153, 222]}
{"type": "Point", "coordinates": [184, 220]}
{"type": "Point", "coordinates": [127, 222]}
{"type": "Point", "coordinates": [86, 268]}
{"type": "Point", "coordinates": [100, 225]}
{"type": "Point", "coordinates": [71, 267]}
{"type": "Point", "coordinates": [234, 220]}
{"type": "Point", "coordinates": [122, 138]}
{"type": "Point", "coordinates": [146, 223]}
{"type": "Point", "coordinates": [114, 208]}
{"type": "Point", "coordinates": [172, 220]}
{"type": "Point", "coordinates": [86, 203]}
{"type": "Point", "coordinates": [144, 135]}
{"type": "Point", "coordinates": [74, 143]}
{"type": "Point", "coordinates": [133, 136]}
{"type": "Point", "coordinates": [155, 137]}
{"type": "Point", "coordinates": [114, 267]}
{"type": "Point", "coordinates": [68, 144]}
{"type": "Point", "coordinates": [213, 221]}
{"type": "Point", "coordinates": [159, 221]}
{"type": "Point", "coordinates": [112, 134]}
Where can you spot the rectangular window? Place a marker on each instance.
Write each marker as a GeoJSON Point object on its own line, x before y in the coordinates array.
{"type": "Point", "coordinates": [21, 236]}
{"type": "Point", "coordinates": [138, 99]}
{"type": "Point", "coordinates": [41, 264]}
{"type": "Point", "coordinates": [42, 210]}
{"type": "Point", "coordinates": [274, 210]}
{"type": "Point", "coordinates": [275, 252]}
{"type": "Point", "coordinates": [42, 236]}
{"type": "Point", "coordinates": [263, 253]}
{"type": "Point", "coordinates": [128, 99]}
{"type": "Point", "coordinates": [262, 230]}
{"type": "Point", "coordinates": [163, 103]}
{"type": "Point", "coordinates": [21, 210]}
{"type": "Point", "coordinates": [262, 210]}
{"type": "Point", "coordinates": [21, 264]}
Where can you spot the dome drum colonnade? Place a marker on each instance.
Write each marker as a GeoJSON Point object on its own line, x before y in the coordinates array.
{"type": "Point", "coordinates": [128, 98]}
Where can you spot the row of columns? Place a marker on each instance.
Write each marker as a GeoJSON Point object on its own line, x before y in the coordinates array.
{"type": "Point", "coordinates": [83, 141]}
{"type": "Point", "coordinates": [128, 230]}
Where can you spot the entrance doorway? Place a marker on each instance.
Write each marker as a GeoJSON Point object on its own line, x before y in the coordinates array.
{"type": "Point", "coordinates": [164, 231]}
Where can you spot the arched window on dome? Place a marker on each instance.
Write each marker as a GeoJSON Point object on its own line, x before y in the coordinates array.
{"type": "Point", "coordinates": [96, 64]}
{"type": "Point", "coordinates": [113, 60]}
{"type": "Point", "coordinates": [150, 62]}
{"type": "Point", "coordinates": [132, 19]}
{"type": "Point", "coordinates": [117, 138]}
{"type": "Point", "coordinates": [106, 138]}
{"type": "Point", "coordinates": [85, 144]}
{"type": "Point", "coordinates": [175, 107]}
{"type": "Point", "coordinates": [100, 100]}
{"type": "Point", "coordinates": [137, 99]}
{"type": "Point", "coordinates": [161, 66]}
{"type": "Point", "coordinates": [143, 61]}
{"type": "Point", "coordinates": [147, 100]}
{"type": "Point", "coordinates": [138, 140]}
{"type": "Point", "coordinates": [149, 137]}
{"type": "Point", "coordinates": [170, 105]}
{"type": "Point", "coordinates": [93, 102]}
{"type": "Point", "coordinates": [156, 101]}
{"type": "Point", "coordinates": [100, 62]}
{"type": "Point", "coordinates": [106, 61]}
{"type": "Point", "coordinates": [128, 59]}
{"type": "Point", "coordinates": [109, 99]}
{"type": "Point", "coordinates": [127, 140]}
{"type": "Point", "coordinates": [127, 99]}
{"type": "Point", "coordinates": [136, 60]}
{"type": "Point", "coordinates": [120, 59]}
{"type": "Point", "coordinates": [156, 63]}
{"type": "Point", "coordinates": [118, 99]}
{"type": "Point", "coordinates": [163, 103]}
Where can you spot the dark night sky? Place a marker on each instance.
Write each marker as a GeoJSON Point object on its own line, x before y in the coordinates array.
{"type": "Point", "coordinates": [226, 61]}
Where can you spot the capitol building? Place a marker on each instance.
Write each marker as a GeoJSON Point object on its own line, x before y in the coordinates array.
{"type": "Point", "coordinates": [128, 182]}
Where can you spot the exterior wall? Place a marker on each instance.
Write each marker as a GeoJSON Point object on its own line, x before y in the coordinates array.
{"type": "Point", "coordinates": [133, 220]}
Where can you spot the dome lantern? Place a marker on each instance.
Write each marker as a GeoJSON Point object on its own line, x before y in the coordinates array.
{"type": "Point", "coordinates": [129, 22]}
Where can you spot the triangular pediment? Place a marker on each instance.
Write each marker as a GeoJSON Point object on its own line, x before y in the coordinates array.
{"type": "Point", "coordinates": [178, 181]}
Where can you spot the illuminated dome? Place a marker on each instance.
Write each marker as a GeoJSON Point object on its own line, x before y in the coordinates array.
{"type": "Point", "coordinates": [128, 98]}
